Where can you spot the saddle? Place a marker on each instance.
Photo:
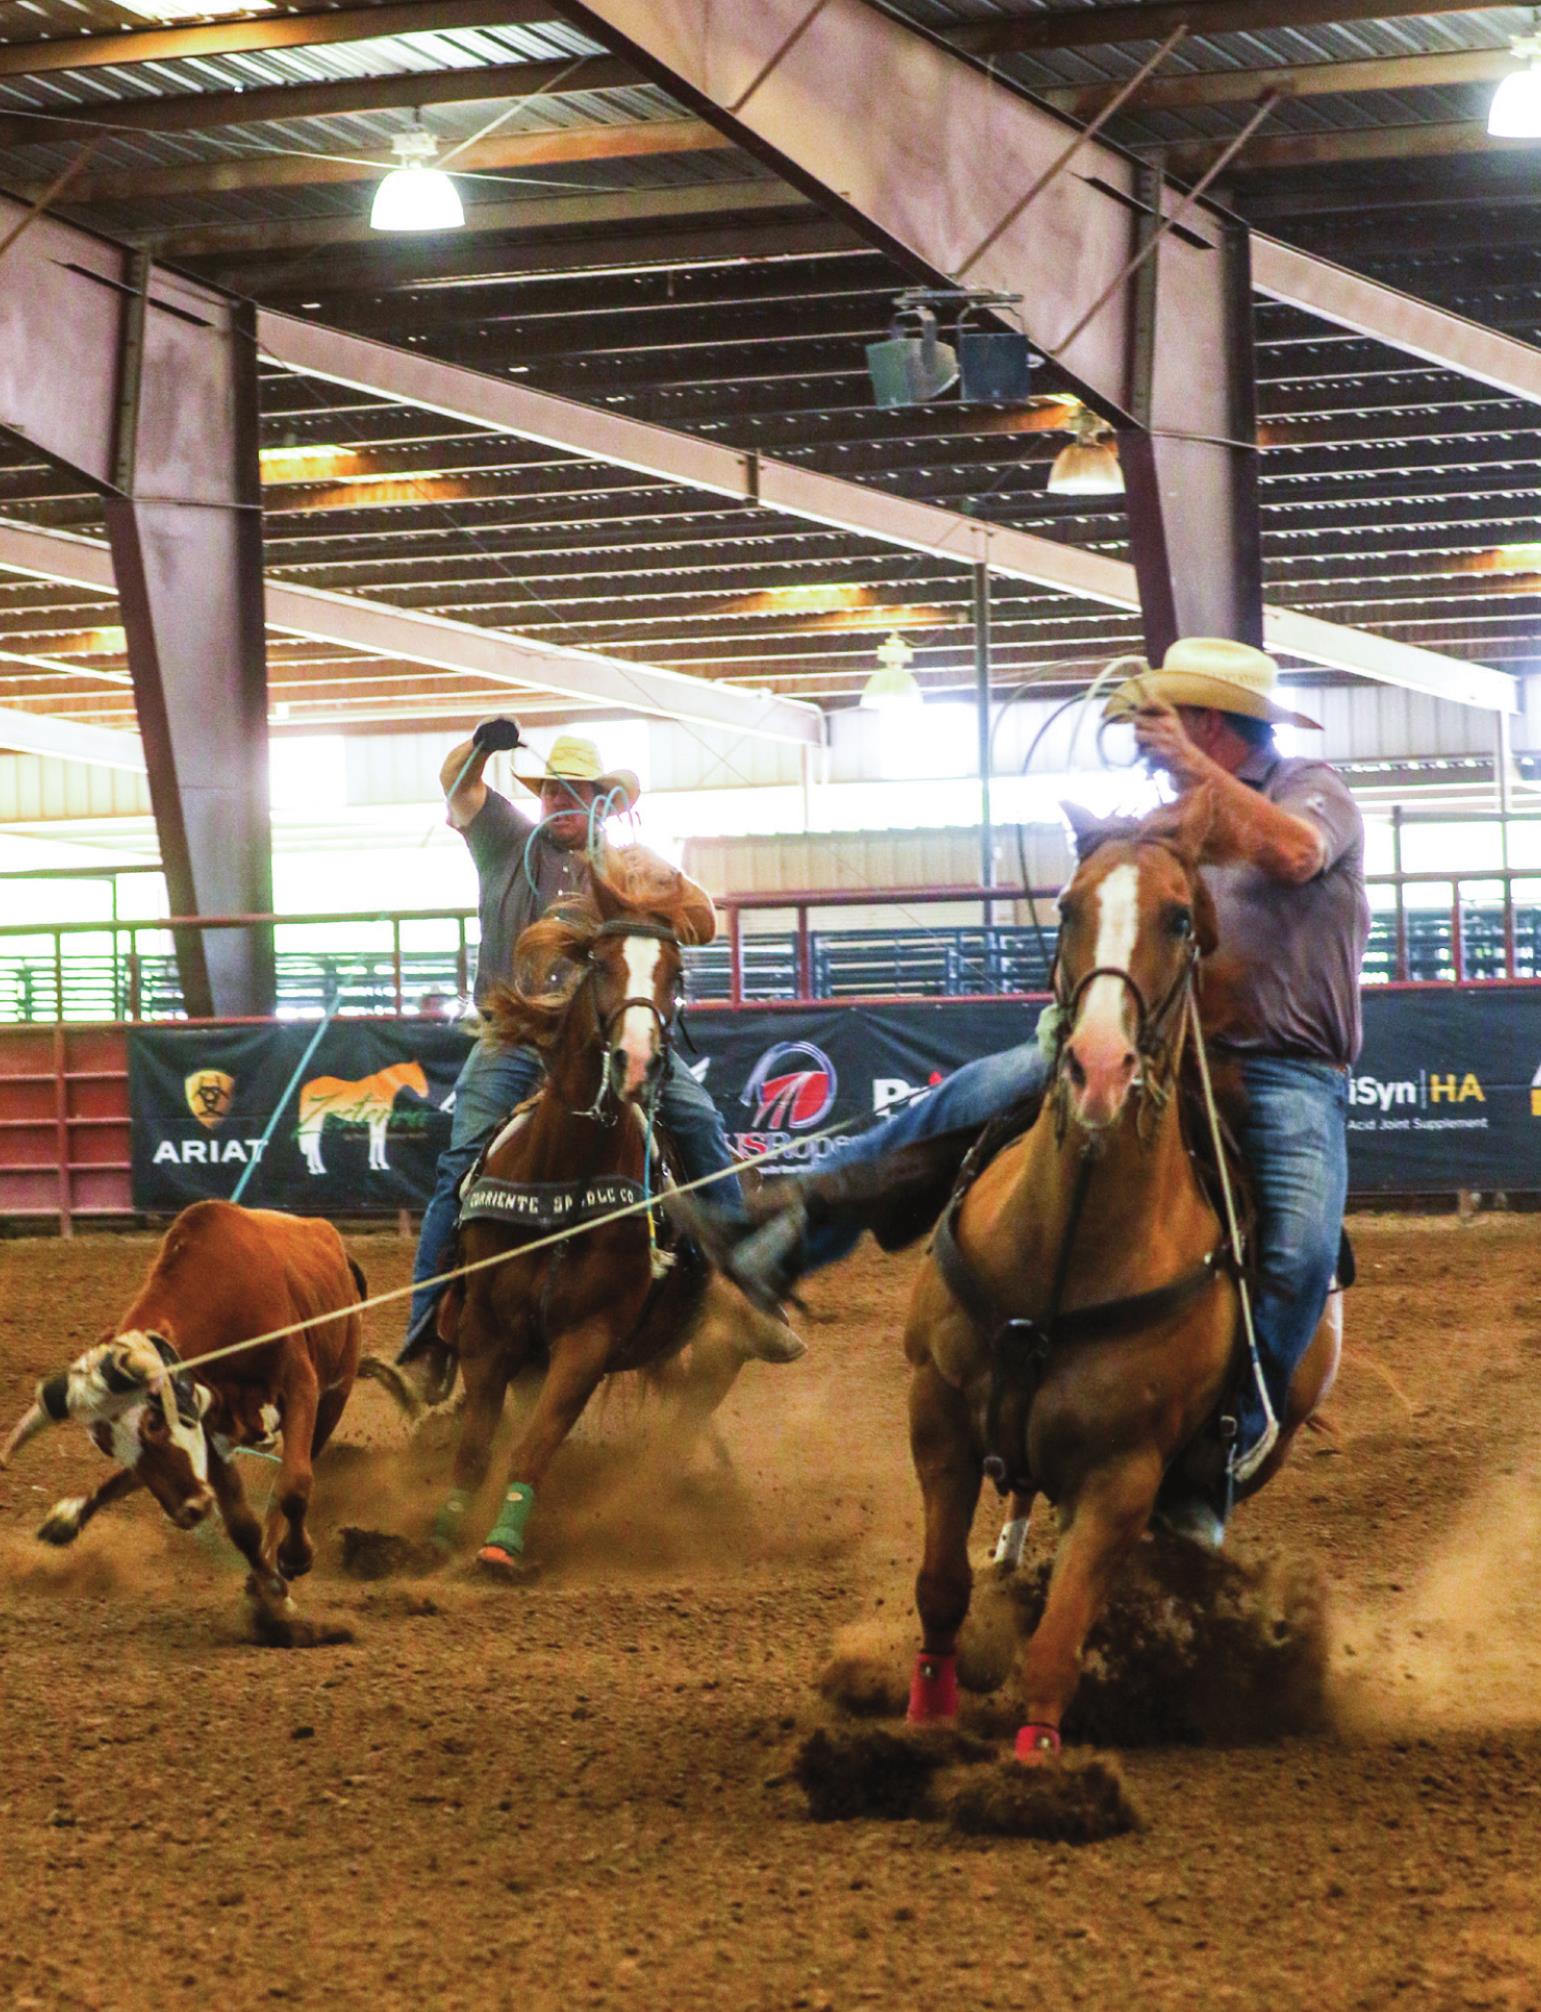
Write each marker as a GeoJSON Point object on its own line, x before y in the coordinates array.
{"type": "Point", "coordinates": [543, 1207]}
{"type": "Point", "coordinates": [1021, 1347]}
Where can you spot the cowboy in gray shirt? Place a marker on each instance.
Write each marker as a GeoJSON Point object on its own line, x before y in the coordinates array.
{"type": "Point", "coordinates": [1293, 914]}
{"type": "Point", "coordinates": [522, 867]}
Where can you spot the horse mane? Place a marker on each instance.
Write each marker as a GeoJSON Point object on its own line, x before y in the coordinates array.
{"type": "Point", "coordinates": [551, 956]}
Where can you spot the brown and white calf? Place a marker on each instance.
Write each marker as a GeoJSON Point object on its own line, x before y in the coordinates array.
{"type": "Point", "coordinates": [221, 1275]}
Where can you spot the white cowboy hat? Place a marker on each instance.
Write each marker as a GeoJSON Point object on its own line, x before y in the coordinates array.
{"type": "Point", "coordinates": [574, 759]}
{"type": "Point", "coordinates": [1205, 671]}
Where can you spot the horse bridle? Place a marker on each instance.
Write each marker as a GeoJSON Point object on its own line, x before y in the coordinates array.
{"type": "Point", "coordinates": [658, 932]}
{"type": "Point", "coordinates": [1150, 1023]}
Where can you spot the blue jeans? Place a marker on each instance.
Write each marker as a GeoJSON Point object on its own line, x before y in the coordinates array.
{"type": "Point", "coordinates": [966, 1100]}
{"type": "Point", "coordinates": [491, 1083]}
{"type": "Point", "coordinates": [1296, 1144]}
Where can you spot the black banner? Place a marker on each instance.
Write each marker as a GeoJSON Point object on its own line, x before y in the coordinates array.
{"type": "Point", "coordinates": [1446, 1095]}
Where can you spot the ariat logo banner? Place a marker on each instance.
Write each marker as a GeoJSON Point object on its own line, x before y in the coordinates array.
{"type": "Point", "coordinates": [208, 1093]}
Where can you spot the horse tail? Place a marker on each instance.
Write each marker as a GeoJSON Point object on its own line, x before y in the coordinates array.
{"type": "Point", "coordinates": [358, 1277]}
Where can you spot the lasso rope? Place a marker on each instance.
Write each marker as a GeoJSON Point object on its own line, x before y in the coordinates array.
{"type": "Point", "coordinates": [199, 1362]}
{"type": "Point", "coordinates": [1243, 1469]}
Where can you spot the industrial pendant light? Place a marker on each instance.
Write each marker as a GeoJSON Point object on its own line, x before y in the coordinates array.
{"type": "Point", "coordinates": [413, 196]}
{"type": "Point", "coordinates": [892, 686]}
{"type": "Point", "coordinates": [1515, 113]}
{"type": "Point", "coordinates": [1089, 465]}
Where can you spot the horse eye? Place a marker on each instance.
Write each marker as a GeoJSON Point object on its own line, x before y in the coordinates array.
{"type": "Point", "coordinates": [1182, 922]}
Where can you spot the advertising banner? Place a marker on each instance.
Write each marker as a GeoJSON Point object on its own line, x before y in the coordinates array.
{"type": "Point", "coordinates": [1446, 1095]}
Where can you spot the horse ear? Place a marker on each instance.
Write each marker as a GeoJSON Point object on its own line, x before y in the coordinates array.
{"type": "Point", "coordinates": [1194, 826]}
{"type": "Point", "coordinates": [1088, 830]}
{"type": "Point", "coordinates": [1206, 928]}
{"type": "Point", "coordinates": [608, 898]}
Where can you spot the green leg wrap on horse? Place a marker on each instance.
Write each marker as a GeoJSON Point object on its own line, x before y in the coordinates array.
{"type": "Point", "coordinates": [446, 1525]}
{"type": "Point", "coordinates": [508, 1532]}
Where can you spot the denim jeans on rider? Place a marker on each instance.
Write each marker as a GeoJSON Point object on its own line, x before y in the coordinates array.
{"type": "Point", "coordinates": [968, 1099]}
{"type": "Point", "coordinates": [487, 1089]}
{"type": "Point", "coordinates": [1296, 1143]}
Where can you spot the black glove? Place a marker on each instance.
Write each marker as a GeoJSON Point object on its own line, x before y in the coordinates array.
{"type": "Point", "coordinates": [497, 736]}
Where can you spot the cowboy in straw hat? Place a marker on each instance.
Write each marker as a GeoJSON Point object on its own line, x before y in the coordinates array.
{"type": "Point", "coordinates": [523, 866]}
{"type": "Point", "coordinates": [1287, 880]}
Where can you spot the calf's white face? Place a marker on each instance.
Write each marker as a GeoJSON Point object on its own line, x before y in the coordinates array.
{"type": "Point", "coordinates": [145, 1419]}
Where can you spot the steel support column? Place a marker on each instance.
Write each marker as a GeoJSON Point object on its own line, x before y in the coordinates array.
{"type": "Point", "coordinates": [982, 702]}
{"type": "Point", "coordinates": [948, 150]}
{"type": "Point", "coordinates": [153, 400]}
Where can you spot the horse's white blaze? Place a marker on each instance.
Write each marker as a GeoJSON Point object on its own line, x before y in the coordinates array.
{"type": "Point", "coordinates": [1118, 927]}
{"type": "Point", "coordinates": [638, 1040]}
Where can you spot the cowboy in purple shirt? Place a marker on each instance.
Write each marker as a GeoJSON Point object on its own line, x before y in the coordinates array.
{"type": "Point", "coordinates": [1294, 917]}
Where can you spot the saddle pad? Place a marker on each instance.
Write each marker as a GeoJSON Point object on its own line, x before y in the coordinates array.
{"type": "Point", "coordinates": [547, 1205]}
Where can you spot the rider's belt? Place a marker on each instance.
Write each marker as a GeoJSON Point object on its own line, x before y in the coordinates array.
{"type": "Point", "coordinates": [548, 1205]}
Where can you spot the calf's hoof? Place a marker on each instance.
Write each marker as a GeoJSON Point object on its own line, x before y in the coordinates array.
{"type": "Point", "coordinates": [62, 1523]}
{"type": "Point", "coordinates": [511, 1567]}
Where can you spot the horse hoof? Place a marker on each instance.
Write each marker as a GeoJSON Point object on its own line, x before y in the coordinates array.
{"type": "Point", "coordinates": [933, 1690]}
{"type": "Point", "coordinates": [1037, 1746]}
{"type": "Point", "coordinates": [509, 1566]}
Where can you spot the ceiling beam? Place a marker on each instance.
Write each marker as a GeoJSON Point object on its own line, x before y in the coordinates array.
{"type": "Point", "coordinates": [1304, 280]}
{"type": "Point", "coordinates": [186, 111]}
{"type": "Point", "coordinates": [67, 740]}
{"type": "Point", "coordinates": [458, 393]}
{"type": "Point", "coordinates": [1294, 80]}
{"type": "Point", "coordinates": [1095, 27]}
{"type": "Point", "coordinates": [265, 31]}
{"type": "Point", "coordinates": [451, 259]}
{"type": "Point", "coordinates": [287, 171]}
{"type": "Point", "coordinates": [491, 655]}
{"type": "Point", "coordinates": [1372, 143]}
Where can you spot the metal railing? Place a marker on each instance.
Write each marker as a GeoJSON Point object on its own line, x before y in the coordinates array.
{"type": "Point", "coordinates": [1482, 925]}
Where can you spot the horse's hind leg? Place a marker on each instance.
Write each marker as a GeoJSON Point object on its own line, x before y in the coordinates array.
{"type": "Point", "coordinates": [950, 1474]}
{"type": "Point", "coordinates": [577, 1363]}
{"type": "Point", "coordinates": [1105, 1522]}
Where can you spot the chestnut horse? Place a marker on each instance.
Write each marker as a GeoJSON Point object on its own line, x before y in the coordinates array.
{"type": "Point", "coordinates": [597, 991]}
{"type": "Point", "coordinates": [1095, 1244]}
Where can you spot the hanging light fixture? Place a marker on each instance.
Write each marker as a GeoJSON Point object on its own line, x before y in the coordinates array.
{"type": "Point", "coordinates": [1089, 465]}
{"type": "Point", "coordinates": [1515, 113]}
{"type": "Point", "coordinates": [892, 686]}
{"type": "Point", "coordinates": [413, 196]}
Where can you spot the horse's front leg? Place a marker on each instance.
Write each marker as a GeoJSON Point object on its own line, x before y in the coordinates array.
{"type": "Point", "coordinates": [1103, 1522]}
{"type": "Point", "coordinates": [578, 1360]}
{"type": "Point", "coordinates": [485, 1362]}
{"type": "Point", "coordinates": [950, 1473]}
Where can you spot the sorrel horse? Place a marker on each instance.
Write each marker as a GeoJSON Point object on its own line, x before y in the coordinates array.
{"type": "Point", "coordinates": [1092, 1255]}
{"type": "Point", "coordinates": [597, 990]}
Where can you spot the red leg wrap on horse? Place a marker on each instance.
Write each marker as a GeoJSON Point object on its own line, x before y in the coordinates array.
{"type": "Point", "coordinates": [1036, 1744]}
{"type": "Point", "coordinates": [933, 1689]}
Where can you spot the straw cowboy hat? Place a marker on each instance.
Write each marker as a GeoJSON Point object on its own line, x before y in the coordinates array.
{"type": "Point", "coordinates": [1205, 671]}
{"type": "Point", "coordinates": [574, 759]}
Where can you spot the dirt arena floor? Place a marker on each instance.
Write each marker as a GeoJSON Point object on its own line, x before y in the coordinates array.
{"type": "Point", "coordinates": [578, 1793]}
